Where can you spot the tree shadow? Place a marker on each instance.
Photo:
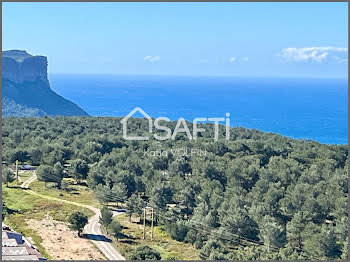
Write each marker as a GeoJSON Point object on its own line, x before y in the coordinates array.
{"type": "Point", "coordinates": [128, 241]}
{"type": "Point", "coordinates": [96, 237]}
{"type": "Point", "coordinates": [14, 186]}
{"type": "Point", "coordinates": [116, 209]}
{"type": "Point", "coordinates": [71, 189]}
{"type": "Point", "coordinates": [122, 235]}
{"type": "Point", "coordinates": [82, 183]}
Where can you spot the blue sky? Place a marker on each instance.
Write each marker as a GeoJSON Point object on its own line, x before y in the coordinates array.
{"type": "Point", "coordinates": [235, 39]}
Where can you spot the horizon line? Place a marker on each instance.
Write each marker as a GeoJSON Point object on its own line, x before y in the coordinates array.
{"type": "Point", "coordinates": [198, 75]}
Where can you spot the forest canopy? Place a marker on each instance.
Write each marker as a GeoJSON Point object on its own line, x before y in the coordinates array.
{"type": "Point", "coordinates": [256, 196]}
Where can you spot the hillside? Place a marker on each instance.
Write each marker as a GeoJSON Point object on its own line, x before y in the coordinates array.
{"type": "Point", "coordinates": [256, 196]}
{"type": "Point", "coordinates": [25, 86]}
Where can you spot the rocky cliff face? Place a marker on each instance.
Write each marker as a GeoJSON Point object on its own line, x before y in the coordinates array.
{"type": "Point", "coordinates": [19, 66]}
{"type": "Point", "coordinates": [25, 83]}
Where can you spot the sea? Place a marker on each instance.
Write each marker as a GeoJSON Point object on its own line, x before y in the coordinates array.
{"type": "Point", "coordinates": [301, 108]}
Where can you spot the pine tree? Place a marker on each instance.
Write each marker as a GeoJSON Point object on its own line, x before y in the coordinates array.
{"type": "Point", "coordinates": [106, 217]}
{"type": "Point", "coordinates": [271, 232]}
{"type": "Point", "coordinates": [295, 228]}
{"type": "Point", "coordinates": [344, 254]}
{"type": "Point", "coordinates": [321, 244]}
{"type": "Point", "coordinates": [7, 176]}
{"type": "Point", "coordinates": [102, 193]}
{"type": "Point", "coordinates": [114, 228]}
{"type": "Point", "coordinates": [119, 192]}
{"type": "Point", "coordinates": [77, 221]}
{"type": "Point", "coordinates": [49, 174]}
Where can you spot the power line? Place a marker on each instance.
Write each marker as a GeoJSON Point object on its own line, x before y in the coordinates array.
{"type": "Point", "coordinates": [209, 230]}
{"type": "Point", "coordinates": [207, 226]}
{"type": "Point", "coordinates": [251, 241]}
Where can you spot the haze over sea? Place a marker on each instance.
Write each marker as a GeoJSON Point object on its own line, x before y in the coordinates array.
{"type": "Point", "coordinates": [302, 108]}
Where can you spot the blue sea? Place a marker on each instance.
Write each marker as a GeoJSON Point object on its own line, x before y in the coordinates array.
{"type": "Point", "coordinates": [315, 109]}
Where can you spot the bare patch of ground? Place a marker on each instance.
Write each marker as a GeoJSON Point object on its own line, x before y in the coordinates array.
{"type": "Point", "coordinates": [61, 243]}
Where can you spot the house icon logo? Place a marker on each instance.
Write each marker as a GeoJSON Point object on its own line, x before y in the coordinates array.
{"type": "Point", "coordinates": [124, 122]}
{"type": "Point", "coordinates": [181, 127]}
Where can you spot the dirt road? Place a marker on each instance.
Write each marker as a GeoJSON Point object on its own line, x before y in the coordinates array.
{"type": "Point", "coordinates": [92, 229]}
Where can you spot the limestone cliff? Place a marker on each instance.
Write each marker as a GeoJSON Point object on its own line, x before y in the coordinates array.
{"type": "Point", "coordinates": [25, 82]}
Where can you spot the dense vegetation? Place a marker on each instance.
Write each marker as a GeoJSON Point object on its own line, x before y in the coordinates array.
{"type": "Point", "coordinates": [256, 196]}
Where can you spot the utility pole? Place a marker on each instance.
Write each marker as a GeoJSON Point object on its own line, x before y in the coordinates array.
{"type": "Point", "coordinates": [152, 224]}
{"type": "Point", "coordinates": [144, 223]}
{"type": "Point", "coordinates": [17, 170]}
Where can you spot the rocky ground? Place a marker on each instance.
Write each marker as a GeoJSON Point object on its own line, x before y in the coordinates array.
{"type": "Point", "coordinates": [63, 244]}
